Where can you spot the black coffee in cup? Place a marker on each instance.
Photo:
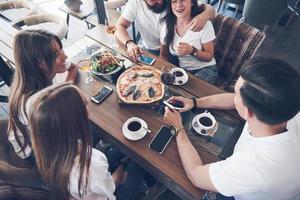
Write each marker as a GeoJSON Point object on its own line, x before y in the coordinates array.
{"type": "Point", "coordinates": [205, 121]}
{"type": "Point", "coordinates": [134, 126]}
{"type": "Point", "coordinates": [178, 73]}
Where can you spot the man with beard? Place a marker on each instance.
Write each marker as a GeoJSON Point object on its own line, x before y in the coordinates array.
{"type": "Point", "coordinates": [147, 15]}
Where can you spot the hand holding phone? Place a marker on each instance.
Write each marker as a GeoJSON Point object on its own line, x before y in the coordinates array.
{"type": "Point", "coordinates": [161, 139]}
{"type": "Point", "coordinates": [174, 105]}
{"type": "Point", "coordinates": [146, 60]}
{"type": "Point", "coordinates": [104, 92]}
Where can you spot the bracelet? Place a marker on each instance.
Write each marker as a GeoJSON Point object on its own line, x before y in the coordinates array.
{"type": "Point", "coordinates": [194, 102]}
{"type": "Point", "coordinates": [127, 42]}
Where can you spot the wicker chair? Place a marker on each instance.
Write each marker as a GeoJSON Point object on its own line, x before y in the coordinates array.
{"type": "Point", "coordinates": [19, 178]}
{"type": "Point", "coordinates": [235, 43]}
{"type": "Point", "coordinates": [19, 4]}
{"type": "Point", "coordinates": [60, 30]}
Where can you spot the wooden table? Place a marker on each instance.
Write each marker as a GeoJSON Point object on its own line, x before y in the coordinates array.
{"type": "Point", "coordinates": [110, 116]}
{"type": "Point", "coordinates": [167, 168]}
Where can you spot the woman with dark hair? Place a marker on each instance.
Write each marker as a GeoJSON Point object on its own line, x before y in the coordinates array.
{"type": "Point", "coordinates": [38, 57]}
{"type": "Point", "coordinates": [62, 146]}
{"type": "Point", "coordinates": [195, 50]}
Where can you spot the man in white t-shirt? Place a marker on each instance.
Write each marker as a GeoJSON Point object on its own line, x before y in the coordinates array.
{"type": "Point", "coordinates": [147, 15]}
{"type": "Point", "coordinates": [266, 160]}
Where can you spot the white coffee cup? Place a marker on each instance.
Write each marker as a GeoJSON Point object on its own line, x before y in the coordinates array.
{"type": "Point", "coordinates": [135, 128]}
{"type": "Point", "coordinates": [206, 123]}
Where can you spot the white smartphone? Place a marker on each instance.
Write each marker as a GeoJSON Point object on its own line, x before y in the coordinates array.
{"type": "Point", "coordinates": [146, 60]}
{"type": "Point", "coordinates": [174, 106]}
{"type": "Point", "coordinates": [161, 139]}
{"type": "Point", "coordinates": [104, 92]}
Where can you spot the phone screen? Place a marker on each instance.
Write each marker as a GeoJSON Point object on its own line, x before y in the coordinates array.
{"type": "Point", "coordinates": [161, 139]}
{"type": "Point", "coordinates": [102, 94]}
{"type": "Point", "coordinates": [146, 60]}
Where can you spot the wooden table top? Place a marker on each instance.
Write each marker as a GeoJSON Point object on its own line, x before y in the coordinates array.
{"type": "Point", "coordinates": [110, 116]}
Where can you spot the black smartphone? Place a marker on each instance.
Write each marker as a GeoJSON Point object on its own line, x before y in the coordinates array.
{"type": "Point", "coordinates": [104, 92]}
{"type": "Point", "coordinates": [161, 139]}
{"type": "Point", "coordinates": [146, 60]}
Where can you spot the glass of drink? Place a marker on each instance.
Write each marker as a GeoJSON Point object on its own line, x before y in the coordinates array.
{"type": "Point", "coordinates": [84, 65]}
{"type": "Point", "coordinates": [167, 77]}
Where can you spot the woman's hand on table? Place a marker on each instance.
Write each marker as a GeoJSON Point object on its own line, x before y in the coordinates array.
{"type": "Point", "coordinates": [187, 103]}
{"type": "Point", "coordinates": [172, 117]}
{"type": "Point", "coordinates": [134, 51]}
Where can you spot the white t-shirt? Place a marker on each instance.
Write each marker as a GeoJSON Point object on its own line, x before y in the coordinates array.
{"type": "Point", "coordinates": [147, 22]}
{"type": "Point", "coordinates": [23, 119]}
{"type": "Point", "coordinates": [101, 185]}
{"type": "Point", "coordinates": [188, 62]}
{"type": "Point", "coordinates": [261, 168]}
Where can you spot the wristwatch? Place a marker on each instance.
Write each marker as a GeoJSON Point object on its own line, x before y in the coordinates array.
{"type": "Point", "coordinates": [194, 52]}
{"type": "Point", "coordinates": [175, 130]}
{"type": "Point", "coordinates": [127, 42]}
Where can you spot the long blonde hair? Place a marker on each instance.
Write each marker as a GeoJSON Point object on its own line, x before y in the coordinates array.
{"type": "Point", "coordinates": [55, 136]}
{"type": "Point", "coordinates": [34, 60]}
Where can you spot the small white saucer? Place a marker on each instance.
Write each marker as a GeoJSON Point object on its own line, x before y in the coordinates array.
{"type": "Point", "coordinates": [180, 80]}
{"type": "Point", "coordinates": [134, 136]}
{"type": "Point", "coordinates": [196, 126]}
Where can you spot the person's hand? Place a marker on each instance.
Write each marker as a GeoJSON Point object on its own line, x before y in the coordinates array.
{"type": "Point", "coordinates": [184, 49]}
{"type": "Point", "coordinates": [187, 103]}
{"type": "Point", "coordinates": [134, 51]}
{"type": "Point", "coordinates": [197, 23]}
{"type": "Point", "coordinates": [172, 117]}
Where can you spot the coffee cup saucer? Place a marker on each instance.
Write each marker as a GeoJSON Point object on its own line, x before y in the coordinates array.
{"type": "Point", "coordinates": [180, 80]}
{"type": "Point", "coordinates": [135, 135]}
{"type": "Point", "coordinates": [196, 126]}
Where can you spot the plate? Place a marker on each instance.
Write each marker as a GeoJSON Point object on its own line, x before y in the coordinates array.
{"type": "Point", "coordinates": [180, 80]}
{"type": "Point", "coordinates": [134, 136]}
{"type": "Point", "coordinates": [121, 63]}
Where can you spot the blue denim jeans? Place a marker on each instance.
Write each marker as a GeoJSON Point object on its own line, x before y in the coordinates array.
{"type": "Point", "coordinates": [209, 73]}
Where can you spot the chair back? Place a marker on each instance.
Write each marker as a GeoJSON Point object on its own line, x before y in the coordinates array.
{"type": "Point", "coordinates": [235, 43]}
{"type": "Point", "coordinates": [19, 178]}
{"type": "Point", "coordinates": [16, 191]}
{"type": "Point", "coordinates": [61, 27]}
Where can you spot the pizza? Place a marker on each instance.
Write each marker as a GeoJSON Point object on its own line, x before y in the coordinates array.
{"type": "Point", "coordinates": [140, 85]}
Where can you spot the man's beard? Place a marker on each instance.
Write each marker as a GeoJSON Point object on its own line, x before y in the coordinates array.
{"type": "Point", "coordinates": [157, 8]}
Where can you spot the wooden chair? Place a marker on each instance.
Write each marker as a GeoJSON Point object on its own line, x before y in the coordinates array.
{"type": "Point", "coordinates": [19, 178]}
{"type": "Point", "coordinates": [235, 43]}
{"type": "Point", "coordinates": [16, 191]}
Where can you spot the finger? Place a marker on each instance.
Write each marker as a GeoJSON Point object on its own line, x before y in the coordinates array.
{"type": "Point", "coordinates": [191, 25]}
{"type": "Point", "coordinates": [141, 51]}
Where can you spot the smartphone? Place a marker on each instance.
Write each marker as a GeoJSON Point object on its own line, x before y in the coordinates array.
{"type": "Point", "coordinates": [104, 92]}
{"type": "Point", "coordinates": [174, 105]}
{"type": "Point", "coordinates": [161, 139]}
{"type": "Point", "coordinates": [146, 60]}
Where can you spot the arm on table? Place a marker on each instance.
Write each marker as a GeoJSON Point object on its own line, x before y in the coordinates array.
{"type": "Point", "coordinates": [196, 171]}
